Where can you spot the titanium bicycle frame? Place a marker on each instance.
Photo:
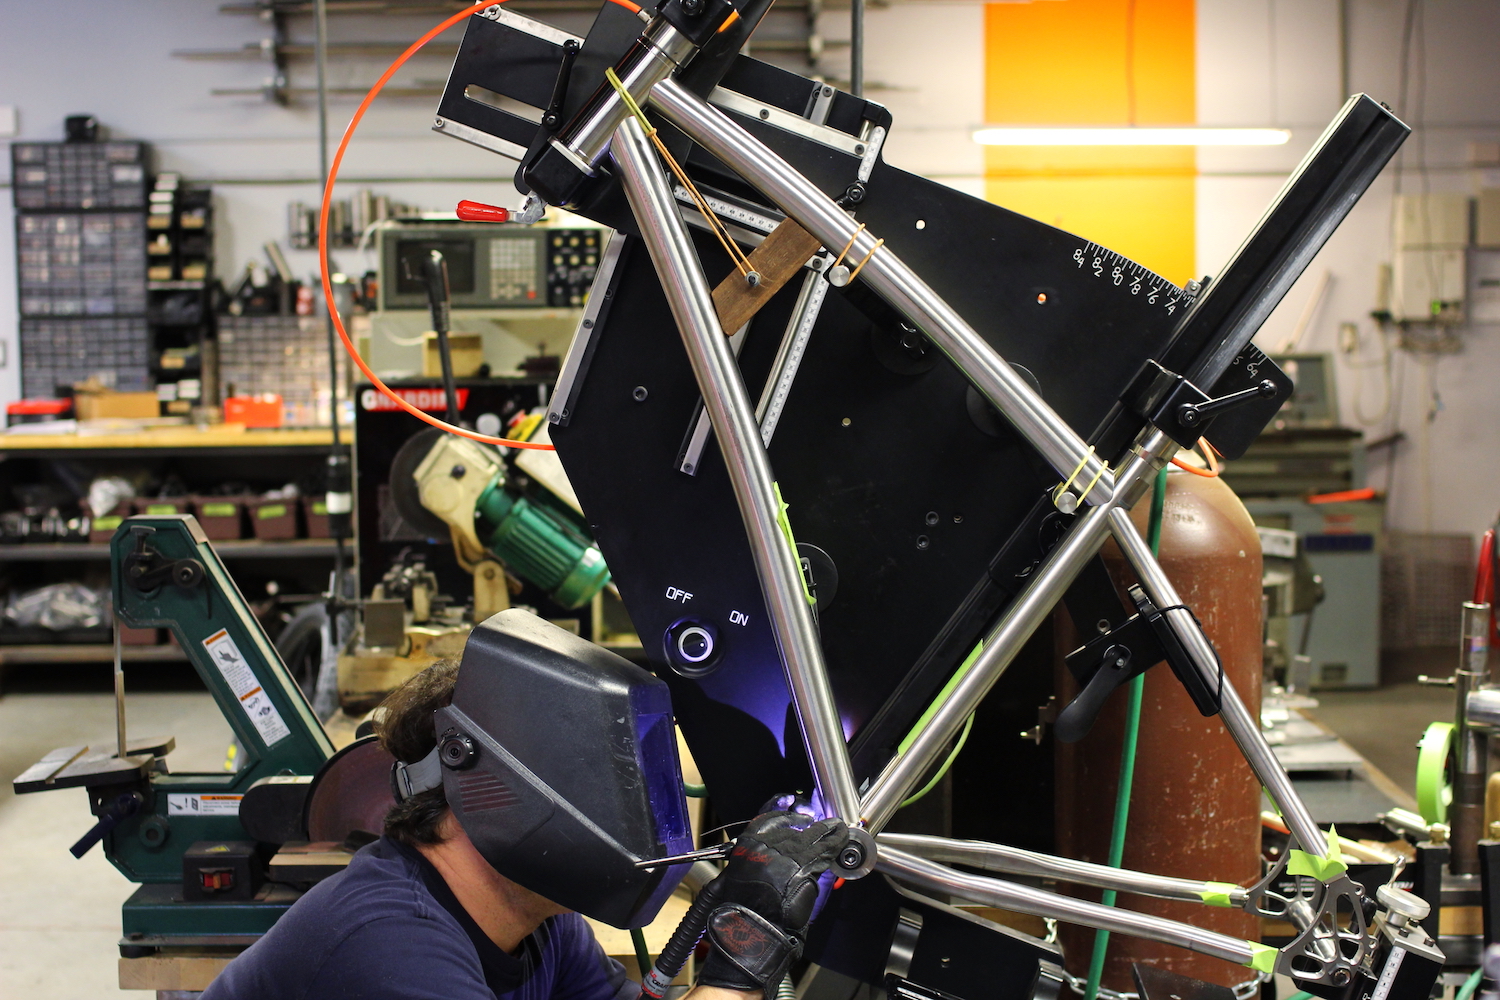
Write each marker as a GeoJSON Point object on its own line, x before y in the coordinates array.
{"type": "Point", "coordinates": [1324, 951]}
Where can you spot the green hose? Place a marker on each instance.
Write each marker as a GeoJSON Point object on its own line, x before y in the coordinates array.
{"type": "Point", "coordinates": [1470, 985]}
{"type": "Point", "coordinates": [1127, 760]}
{"type": "Point", "coordinates": [642, 956]}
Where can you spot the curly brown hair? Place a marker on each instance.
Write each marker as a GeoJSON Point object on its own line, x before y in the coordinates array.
{"type": "Point", "coordinates": [405, 729]}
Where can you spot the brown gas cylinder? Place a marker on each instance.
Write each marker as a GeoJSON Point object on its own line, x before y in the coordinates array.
{"type": "Point", "coordinates": [1195, 804]}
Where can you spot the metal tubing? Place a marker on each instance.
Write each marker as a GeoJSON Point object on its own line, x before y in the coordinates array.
{"type": "Point", "coordinates": [936, 879]}
{"type": "Point", "coordinates": [857, 48]}
{"type": "Point", "coordinates": [729, 408]}
{"type": "Point", "coordinates": [1023, 616]}
{"type": "Point", "coordinates": [120, 741]}
{"type": "Point", "coordinates": [657, 54]}
{"type": "Point", "coordinates": [789, 354]}
{"type": "Point", "coordinates": [1466, 814]}
{"type": "Point", "coordinates": [890, 278]}
{"type": "Point", "coordinates": [1242, 726]}
{"type": "Point", "coordinates": [999, 858]}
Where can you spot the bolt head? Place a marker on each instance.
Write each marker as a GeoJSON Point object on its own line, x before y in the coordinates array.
{"type": "Point", "coordinates": [458, 472]}
{"type": "Point", "coordinates": [851, 857]}
{"type": "Point", "coordinates": [1340, 977]}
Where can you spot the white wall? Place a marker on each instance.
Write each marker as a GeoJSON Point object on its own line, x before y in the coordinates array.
{"type": "Point", "coordinates": [1277, 62]}
{"type": "Point", "coordinates": [114, 60]}
{"type": "Point", "coordinates": [1260, 62]}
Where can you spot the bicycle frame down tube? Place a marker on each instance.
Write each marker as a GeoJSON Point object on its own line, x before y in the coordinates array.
{"type": "Point", "coordinates": [999, 858]}
{"type": "Point", "coordinates": [1029, 608]}
{"type": "Point", "coordinates": [934, 878]}
{"type": "Point", "coordinates": [887, 275]}
{"type": "Point", "coordinates": [738, 434]}
{"type": "Point", "coordinates": [1242, 725]}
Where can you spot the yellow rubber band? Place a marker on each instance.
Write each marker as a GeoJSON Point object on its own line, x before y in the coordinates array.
{"type": "Point", "coordinates": [1089, 488]}
{"type": "Point", "coordinates": [855, 273]}
{"type": "Point", "coordinates": [840, 259]}
{"type": "Point", "coordinates": [634, 108]}
{"type": "Point", "coordinates": [1081, 463]}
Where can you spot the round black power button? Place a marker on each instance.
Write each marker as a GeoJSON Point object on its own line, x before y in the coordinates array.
{"type": "Point", "coordinates": [692, 647]}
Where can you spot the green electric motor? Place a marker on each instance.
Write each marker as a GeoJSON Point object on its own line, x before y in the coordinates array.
{"type": "Point", "coordinates": [540, 546]}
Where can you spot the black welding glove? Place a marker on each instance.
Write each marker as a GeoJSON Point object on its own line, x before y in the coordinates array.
{"type": "Point", "coordinates": [765, 898]}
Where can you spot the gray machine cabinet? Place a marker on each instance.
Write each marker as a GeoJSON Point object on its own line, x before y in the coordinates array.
{"type": "Point", "coordinates": [1343, 542]}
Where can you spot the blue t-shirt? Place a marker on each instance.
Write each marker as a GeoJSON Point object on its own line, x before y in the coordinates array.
{"type": "Point", "coordinates": [389, 928]}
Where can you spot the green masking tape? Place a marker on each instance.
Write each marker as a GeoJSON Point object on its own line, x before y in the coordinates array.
{"type": "Point", "coordinates": [1217, 893]}
{"type": "Point", "coordinates": [1324, 869]}
{"type": "Point", "coordinates": [1262, 957]}
{"type": "Point", "coordinates": [1434, 794]}
{"type": "Point", "coordinates": [786, 529]}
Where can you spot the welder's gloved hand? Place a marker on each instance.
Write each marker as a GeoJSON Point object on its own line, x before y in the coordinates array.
{"type": "Point", "coordinates": [765, 897]}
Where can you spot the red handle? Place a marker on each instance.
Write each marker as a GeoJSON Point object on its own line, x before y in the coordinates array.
{"type": "Point", "coordinates": [478, 211]}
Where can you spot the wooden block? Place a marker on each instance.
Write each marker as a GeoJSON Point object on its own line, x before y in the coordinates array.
{"type": "Point", "coordinates": [191, 973]}
{"type": "Point", "coordinates": [779, 257]}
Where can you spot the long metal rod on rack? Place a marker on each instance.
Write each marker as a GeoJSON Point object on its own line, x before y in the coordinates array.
{"type": "Point", "coordinates": [738, 434]}
{"type": "Point", "coordinates": [1014, 860]}
{"type": "Point", "coordinates": [931, 877]}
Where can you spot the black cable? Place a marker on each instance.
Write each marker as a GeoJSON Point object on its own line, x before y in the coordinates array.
{"type": "Point", "coordinates": [680, 946]}
{"type": "Point", "coordinates": [1160, 613]}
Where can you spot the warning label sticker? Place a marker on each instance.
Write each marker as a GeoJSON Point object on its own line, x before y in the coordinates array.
{"type": "Point", "coordinates": [241, 679]}
{"type": "Point", "coordinates": [203, 805]}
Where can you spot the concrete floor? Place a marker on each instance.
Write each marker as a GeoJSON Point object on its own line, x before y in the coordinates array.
{"type": "Point", "coordinates": [59, 918]}
{"type": "Point", "coordinates": [1385, 724]}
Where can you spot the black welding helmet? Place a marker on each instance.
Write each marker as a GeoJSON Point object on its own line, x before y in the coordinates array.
{"type": "Point", "coordinates": [559, 760]}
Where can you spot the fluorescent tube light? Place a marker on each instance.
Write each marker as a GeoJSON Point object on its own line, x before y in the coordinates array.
{"type": "Point", "coordinates": [1107, 136]}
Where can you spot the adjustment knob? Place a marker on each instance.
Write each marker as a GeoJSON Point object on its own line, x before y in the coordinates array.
{"type": "Point", "coordinates": [695, 644]}
{"type": "Point", "coordinates": [1407, 905]}
{"type": "Point", "coordinates": [692, 647]}
{"type": "Point", "coordinates": [457, 751]}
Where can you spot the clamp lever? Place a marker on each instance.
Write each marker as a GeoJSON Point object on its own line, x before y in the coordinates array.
{"type": "Point", "coordinates": [1194, 414]}
{"type": "Point", "coordinates": [125, 806]}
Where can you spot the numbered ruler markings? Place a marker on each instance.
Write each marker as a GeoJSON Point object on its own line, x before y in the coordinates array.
{"type": "Point", "coordinates": [725, 210]}
{"type": "Point", "coordinates": [817, 291]}
{"type": "Point", "coordinates": [1128, 276]}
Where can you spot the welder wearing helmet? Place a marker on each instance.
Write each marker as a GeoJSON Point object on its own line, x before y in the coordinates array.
{"type": "Point", "coordinates": [422, 913]}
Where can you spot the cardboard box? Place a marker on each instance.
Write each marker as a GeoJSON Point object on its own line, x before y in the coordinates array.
{"type": "Point", "coordinates": [161, 506]}
{"type": "Point", "coordinates": [467, 350]}
{"type": "Point", "coordinates": [220, 517]}
{"type": "Point", "coordinates": [90, 403]}
{"type": "Point", "coordinates": [315, 516]}
{"type": "Point", "coordinates": [273, 519]}
{"type": "Point", "coordinates": [102, 529]}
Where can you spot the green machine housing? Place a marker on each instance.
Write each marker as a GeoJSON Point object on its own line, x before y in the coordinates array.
{"type": "Point", "coordinates": [165, 574]}
{"type": "Point", "coordinates": [540, 544]}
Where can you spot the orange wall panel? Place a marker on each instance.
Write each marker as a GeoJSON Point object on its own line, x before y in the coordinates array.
{"type": "Point", "coordinates": [1084, 62]}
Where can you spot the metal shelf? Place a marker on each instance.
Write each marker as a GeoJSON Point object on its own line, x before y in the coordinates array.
{"type": "Point", "coordinates": [310, 548]}
{"type": "Point", "coordinates": [89, 652]}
